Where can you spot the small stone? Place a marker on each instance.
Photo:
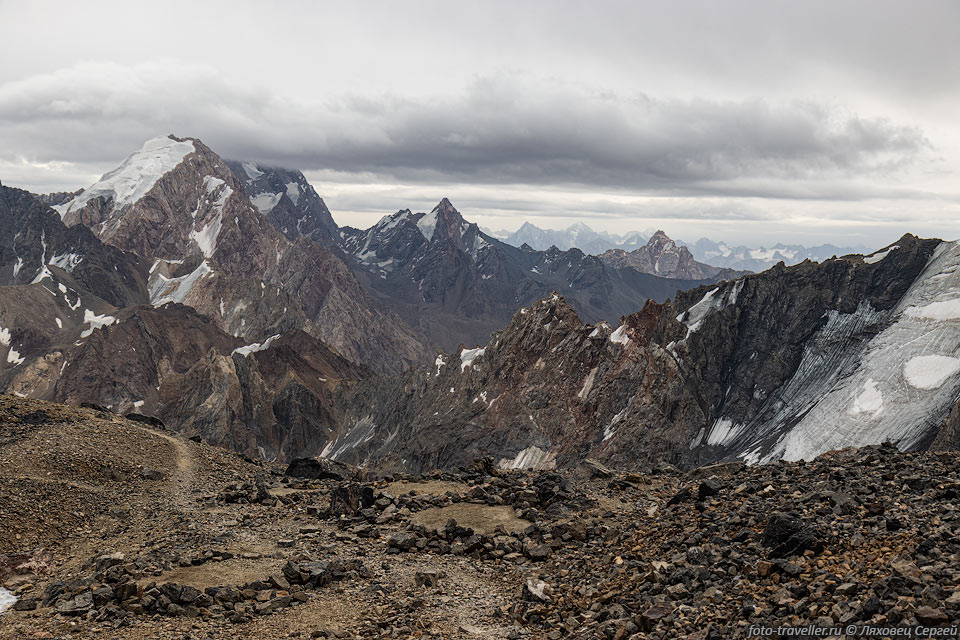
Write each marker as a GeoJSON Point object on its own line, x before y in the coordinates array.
{"type": "Point", "coordinates": [537, 551]}
{"type": "Point", "coordinates": [427, 578]}
{"type": "Point", "coordinates": [536, 590]}
{"type": "Point", "coordinates": [151, 474]}
{"type": "Point", "coordinates": [707, 489]}
{"type": "Point", "coordinates": [652, 616]}
{"type": "Point", "coordinates": [931, 617]}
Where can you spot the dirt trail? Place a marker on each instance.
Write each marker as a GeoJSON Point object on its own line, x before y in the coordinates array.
{"type": "Point", "coordinates": [183, 481]}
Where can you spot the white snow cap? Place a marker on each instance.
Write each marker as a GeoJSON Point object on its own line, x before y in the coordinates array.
{"type": "Point", "coordinates": [136, 176]}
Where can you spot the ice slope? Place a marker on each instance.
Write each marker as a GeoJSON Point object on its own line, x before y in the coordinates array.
{"type": "Point", "coordinates": [897, 386]}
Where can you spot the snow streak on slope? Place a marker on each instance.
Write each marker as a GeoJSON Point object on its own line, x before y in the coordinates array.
{"type": "Point", "coordinates": [136, 176]}
{"type": "Point", "coordinates": [898, 388]}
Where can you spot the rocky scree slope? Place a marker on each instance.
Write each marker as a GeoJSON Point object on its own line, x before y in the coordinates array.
{"type": "Point", "coordinates": [177, 539]}
{"type": "Point", "coordinates": [788, 363]}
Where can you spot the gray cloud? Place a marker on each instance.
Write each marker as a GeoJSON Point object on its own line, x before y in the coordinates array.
{"type": "Point", "coordinates": [505, 129]}
{"type": "Point", "coordinates": [819, 120]}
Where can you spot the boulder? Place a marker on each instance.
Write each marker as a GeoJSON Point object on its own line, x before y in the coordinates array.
{"type": "Point", "coordinates": [349, 498]}
{"type": "Point", "coordinates": [786, 535]}
{"type": "Point", "coordinates": [320, 469]}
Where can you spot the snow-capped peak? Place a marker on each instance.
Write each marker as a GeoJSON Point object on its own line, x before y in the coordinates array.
{"type": "Point", "coordinates": [136, 176]}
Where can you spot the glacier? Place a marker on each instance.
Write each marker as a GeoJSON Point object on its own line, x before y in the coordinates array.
{"type": "Point", "coordinates": [897, 386]}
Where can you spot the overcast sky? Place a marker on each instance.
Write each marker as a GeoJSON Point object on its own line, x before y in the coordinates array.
{"type": "Point", "coordinates": [753, 122]}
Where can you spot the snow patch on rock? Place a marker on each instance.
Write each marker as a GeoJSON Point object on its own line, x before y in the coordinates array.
{"type": "Point", "coordinates": [251, 170]}
{"type": "Point", "coordinates": [206, 238]}
{"type": "Point", "coordinates": [879, 255]}
{"type": "Point", "coordinates": [532, 458]}
{"type": "Point", "coordinates": [66, 261]}
{"type": "Point", "coordinates": [13, 357]}
{"type": "Point", "coordinates": [467, 356]}
{"type": "Point", "coordinates": [255, 347]}
{"type": "Point", "coordinates": [265, 202]}
{"type": "Point", "coordinates": [940, 311]}
{"type": "Point", "coordinates": [427, 224]}
{"type": "Point", "coordinates": [869, 400]}
{"type": "Point", "coordinates": [620, 335]}
{"type": "Point", "coordinates": [164, 290]}
{"type": "Point", "coordinates": [7, 599]}
{"type": "Point", "coordinates": [723, 432]}
{"type": "Point", "coordinates": [95, 321]}
{"type": "Point", "coordinates": [293, 191]}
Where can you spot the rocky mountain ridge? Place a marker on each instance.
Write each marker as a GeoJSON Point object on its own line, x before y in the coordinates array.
{"type": "Point", "coordinates": [661, 256]}
{"type": "Point", "coordinates": [290, 341]}
{"type": "Point", "coordinates": [784, 364]}
{"type": "Point", "coordinates": [722, 254]}
{"type": "Point", "coordinates": [576, 236]}
{"type": "Point", "coordinates": [177, 203]}
{"type": "Point", "coordinates": [457, 284]}
{"type": "Point", "coordinates": [719, 254]}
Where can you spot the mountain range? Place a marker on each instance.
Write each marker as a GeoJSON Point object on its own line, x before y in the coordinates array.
{"type": "Point", "coordinates": [785, 364]}
{"type": "Point", "coordinates": [578, 235]}
{"type": "Point", "coordinates": [715, 253]}
{"type": "Point", "coordinates": [221, 298]}
{"type": "Point", "coordinates": [456, 284]}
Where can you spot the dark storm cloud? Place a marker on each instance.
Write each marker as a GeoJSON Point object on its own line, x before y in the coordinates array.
{"type": "Point", "coordinates": [504, 129]}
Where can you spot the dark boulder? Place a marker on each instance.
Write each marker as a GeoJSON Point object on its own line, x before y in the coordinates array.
{"type": "Point", "coordinates": [786, 536]}
{"type": "Point", "coordinates": [349, 498]}
{"type": "Point", "coordinates": [320, 469]}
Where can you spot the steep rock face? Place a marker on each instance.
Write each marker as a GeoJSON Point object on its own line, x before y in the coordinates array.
{"type": "Point", "coordinates": [57, 285]}
{"type": "Point", "coordinates": [342, 313]}
{"type": "Point", "coordinates": [288, 201]}
{"type": "Point", "coordinates": [458, 284]}
{"type": "Point", "coordinates": [866, 352]}
{"type": "Point", "coordinates": [269, 399]}
{"type": "Point", "coordinates": [547, 390]}
{"type": "Point", "coordinates": [784, 364]}
{"type": "Point", "coordinates": [662, 257]}
{"type": "Point", "coordinates": [36, 246]}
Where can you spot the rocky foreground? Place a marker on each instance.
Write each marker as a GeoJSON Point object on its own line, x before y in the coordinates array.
{"type": "Point", "coordinates": [115, 528]}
